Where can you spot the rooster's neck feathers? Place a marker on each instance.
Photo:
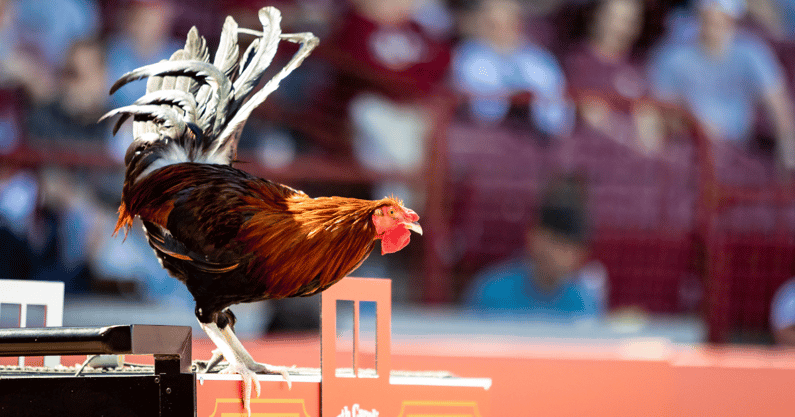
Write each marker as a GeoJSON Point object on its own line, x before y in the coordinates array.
{"type": "Point", "coordinates": [333, 213]}
{"type": "Point", "coordinates": [336, 220]}
{"type": "Point", "coordinates": [337, 232]}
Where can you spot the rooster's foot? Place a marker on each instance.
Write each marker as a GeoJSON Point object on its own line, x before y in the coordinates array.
{"type": "Point", "coordinates": [249, 378]}
{"type": "Point", "coordinates": [270, 369]}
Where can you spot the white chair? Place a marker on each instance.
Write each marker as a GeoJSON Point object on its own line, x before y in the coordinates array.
{"type": "Point", "coordinates": [25, 293]}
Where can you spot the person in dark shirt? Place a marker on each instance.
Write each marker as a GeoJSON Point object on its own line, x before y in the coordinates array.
{"type": "Point", "coordinates": [387, 52]}
{"type": "Point", "coordinates": [384, 65]}
{"type": "Point", "coordinates": [387, 68]}
{"type": "Point", "coordinates": [606, 78]}
{"type": "Point", "coordinates": [604, 61]}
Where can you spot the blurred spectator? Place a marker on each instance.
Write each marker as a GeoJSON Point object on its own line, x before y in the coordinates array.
{"type": "Point", "coordinates": [34, 35]}
{"type": "Point", "coordinates": [771, 16]}
{"type": "Point", "coordinates": [38, 236]}
{"type": "Point", "coordinates": [17, 210]}
{"type": "Point", "coordinates": [10, 119]}
{"type": "Point", "coordinates": [550, 278]}
{"type": "Point", "coordinates": [435, 18]}
{"type": "Point", "coordinates": [65, 224]}
{"type": "Point", "coordinates": [782, 314]}
{"type": "Point", "coordinates": [772, 19]}
{"type": "Point", "coordinates": [81, 101]}
{"type": "Point", "coordinates": [605, 76]}
{"type": "Point", "coordinates": [498, 62]}
{"type": "Point", "coordinates": [722, 76]}
{"type": "Point", "coordinates": [22, 64]}
{"type": "Point", "coordinates": [50, 27]}
{"type": "Point", "coordinates": [146, 38]}
{"type": "Point", "coordinates": [781, 12]}
{"type": "Point", "coordinates": [386, 65]}
{"type": "Point", "coordinates": [10, 78]}
{"type": "Point", "coordinates": [604, 61]}
{"type": "Point", "coordinates": [18, 198]}
{"type": "Point", "coordinates": [9, 39]}
{"type": "Point", "coordinates": [16, 260]}
{"type": "Point", "coordinates": [388, 52]}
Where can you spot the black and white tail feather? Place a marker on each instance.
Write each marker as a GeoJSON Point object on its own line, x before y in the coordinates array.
{"type": "Point", "coordinates": [195, 110]}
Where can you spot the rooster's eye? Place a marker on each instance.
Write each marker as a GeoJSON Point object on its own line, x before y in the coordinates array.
{"type": "Point", "coordinates": [391, 212]}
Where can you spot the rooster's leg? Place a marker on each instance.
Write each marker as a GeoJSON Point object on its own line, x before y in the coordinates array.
{"type": "Point", "coordinates": [237, 364]}
{"type": "Point", "coordinates": [234, 342]}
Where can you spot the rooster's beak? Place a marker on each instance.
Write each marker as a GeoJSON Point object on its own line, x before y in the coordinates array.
{"type": "Point", "coordinates": [411, 221]}
{"type": "Point", "coordinates": [414, 227]}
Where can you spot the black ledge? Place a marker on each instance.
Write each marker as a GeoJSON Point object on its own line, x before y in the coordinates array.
{"type": "Point", "coordinates": [170, 345]}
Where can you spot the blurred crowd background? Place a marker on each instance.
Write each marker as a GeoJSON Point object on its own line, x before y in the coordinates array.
{"type": "Point", "coordinates": [569, 158]}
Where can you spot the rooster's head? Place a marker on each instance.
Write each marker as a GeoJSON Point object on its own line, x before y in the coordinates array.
{"type": "Point", "coordinates": [394, 224]}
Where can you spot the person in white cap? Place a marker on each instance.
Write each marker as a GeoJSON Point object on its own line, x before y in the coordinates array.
{"type": "Point", "coordinates": [721, 77]}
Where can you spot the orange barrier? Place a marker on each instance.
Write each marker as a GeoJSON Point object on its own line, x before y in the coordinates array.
{"type": "Point", "coordinates": [565, 380]}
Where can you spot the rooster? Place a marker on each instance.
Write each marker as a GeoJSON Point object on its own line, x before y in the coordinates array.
{"type": "Point", "coordinates": [231, 237]}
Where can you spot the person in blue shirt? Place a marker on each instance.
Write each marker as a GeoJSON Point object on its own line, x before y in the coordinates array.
{"type": "Point", "coordinates": [549, 279]}
{"type": "Point", "coordinates": [145, 37]}
{"type": "Point", "coordinates": [782, 314]}
{"type": "Point", "coordinates": [721, 74]}
{"type": "Point", "coordinates": [497, 61]}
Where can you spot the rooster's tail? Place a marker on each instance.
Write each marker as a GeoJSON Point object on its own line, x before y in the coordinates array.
{"type": "Point", "coordinates": [194, 110]}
